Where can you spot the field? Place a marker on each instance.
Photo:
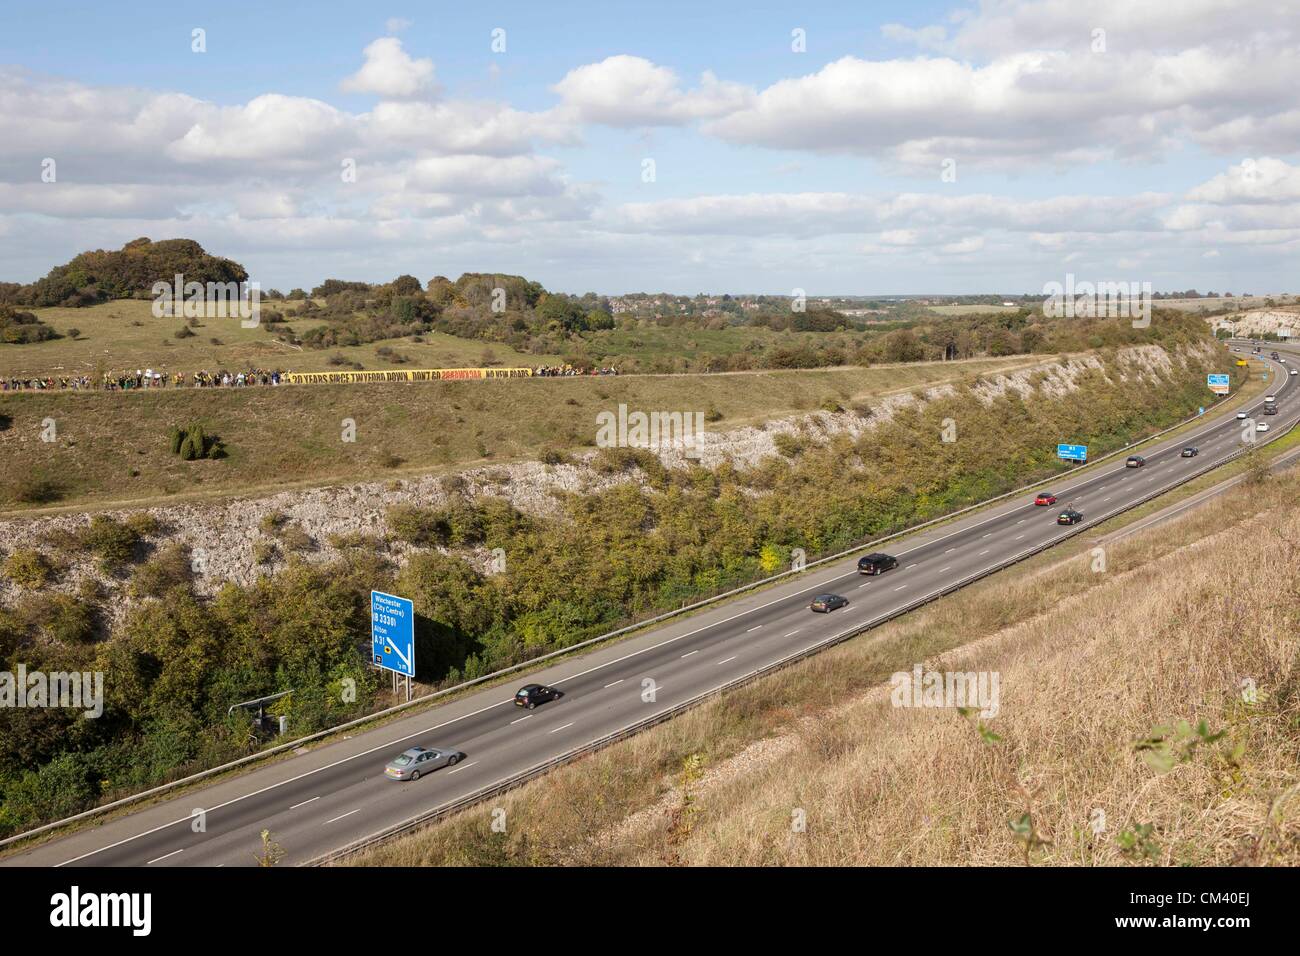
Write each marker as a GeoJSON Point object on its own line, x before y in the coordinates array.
{"type": "Point", "coordinates": [1097, 755]}
{"type": "Point", "coordinates": [125, 335]}
{"type": "Point", "coordinates": [112, 448]}
{"type": "Point", "coordinates": [972, 309]}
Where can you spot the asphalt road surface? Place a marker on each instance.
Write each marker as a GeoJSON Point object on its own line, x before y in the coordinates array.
{"type": "Point", "coordinates": [333, 794]}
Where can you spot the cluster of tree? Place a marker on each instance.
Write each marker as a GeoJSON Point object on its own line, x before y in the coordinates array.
{"type": "Point", "coordinates": [18, 328]}
{"type": "Point", "coordinates": [178, 662]}
{"type": "Point", "coordinates": [129, 272]}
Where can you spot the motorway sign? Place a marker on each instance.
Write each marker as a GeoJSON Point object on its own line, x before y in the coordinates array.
{"type": "Point", "coordinates": [1072, 452]}
{"type": "Point", "coordinates": [1217, 383]}
{"type": "Point", "coordinates": [392, 633]}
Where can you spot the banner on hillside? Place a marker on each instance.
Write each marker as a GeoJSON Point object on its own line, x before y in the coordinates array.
{"type": "Point", "coordinates": [406, 375]}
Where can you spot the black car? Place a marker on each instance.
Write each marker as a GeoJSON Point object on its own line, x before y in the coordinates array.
{"type": "Point", "coordinates": [825, 603]}
{"type": "Point", "coordinates": [531, 695]}
{"type": "Point", "coordinates": [876, 563]}
{"type": "Point", "coordinates": [1270, 409]}
{"type": "Point", "coordinates": [1069, 516]}
{"type": "Point", "coordinates": [1135, 461]}
{"type": "Point", "coordinates": [1190, 452]}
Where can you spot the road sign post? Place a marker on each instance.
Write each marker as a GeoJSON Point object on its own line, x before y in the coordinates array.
{"type": "Point", "coordinates": [392, 635]}
{"type": "Point", "coordinates": [1072, 452]}
{"type": "Point", "coordinates": [1218, 384]}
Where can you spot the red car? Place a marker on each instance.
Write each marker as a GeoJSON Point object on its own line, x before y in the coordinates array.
{"type": "Point", "coordinates": [1046, 498]}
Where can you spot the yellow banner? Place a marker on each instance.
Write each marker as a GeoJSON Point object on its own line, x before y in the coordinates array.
{"type": "Point", "coordinates": [406, 375]}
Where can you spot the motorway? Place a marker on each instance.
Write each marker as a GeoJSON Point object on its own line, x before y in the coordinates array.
{"type": "Point", "coordinates": [332, 794]}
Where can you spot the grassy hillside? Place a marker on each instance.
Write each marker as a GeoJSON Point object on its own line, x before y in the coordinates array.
{"type": "Point", "coordinates": [1098, 755]}
{"type": "Point", "coordinates": [113, 447]}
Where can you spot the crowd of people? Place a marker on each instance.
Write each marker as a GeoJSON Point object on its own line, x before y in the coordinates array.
{"type": "Point", "coordinates": [127, 380]}
{"type": "Point", "coordinates": [571, 370]}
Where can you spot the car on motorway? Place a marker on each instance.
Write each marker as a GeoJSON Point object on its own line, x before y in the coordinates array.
{"type": "Point", "coordinates": [876, 563]}
{"type": "Point", "coordinates": [530, 695]}
{"type": "Point", "coordinates": [417, 761]}
{"type": "Point", "coordinates": [1045, 498]}
{"type": "Point", "coordinates": [1069, 516]}
{"type": "Point", "coordinates": [1191, 451]}
{"type": "Point", "coordinates": [1241, 416]}
{"type": "Point", "coordinates": [825, 603]}
{"type": "Point", "coordinates": [1135, 461]}
{"type": "Point", "coordinates": [1270, 409]}
{"type": "Point", "coordinates": [1270, 399]}
{"type": "Point", "coordinates": [1262, 427]}
{"type": "Point", "coordinates": [1294, 372]}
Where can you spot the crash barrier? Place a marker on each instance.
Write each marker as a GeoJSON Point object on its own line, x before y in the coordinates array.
{"type": "Point", "coordinates": [405, 375]}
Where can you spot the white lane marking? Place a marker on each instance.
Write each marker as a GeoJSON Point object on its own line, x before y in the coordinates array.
{"type": "Point", "coordinates": [524, 717]}
{"type": "Point", "coordinates": [753, 629]}
{"type": "Point", "coordinates": [982, 553]}
{"type": "Point", "coordinates": [464, 766]}
{"type": "Point", "coordinates": [909, 567]}
{"type": "Point", "coordinates": [1106, 499]}
{"type": "Point", "coordinates": [900, 587]}
{"type": "Point", "coordinates": [689, 653]}
{"type": "Point", "coordinates": [950, 551]}
{"type": "Point", "coordinates": [989, 535]}
{"type": "Point", "coordinates": [794, 632]}
{"type": "Point", "coordinates": [619, 681]}
{"type": "Point", "coordinates": [941, 570]}
{"type": "Point", "coordinates": [1019, 536]}
{"type": "Point", "coordinates": [304, 803]}
{"type": "Point", "coordinates": [165, 855]}
{"type": "Point", "coordinates": [727, 661]}
{"type": "Point", "coordinates": [861, 586]}
{"type": "Point", "coordinates": [1021, 521]}
{"type": "Point", "coordinates": [565, 727]}
{"type": "Point", "coordinates": [341, 816]}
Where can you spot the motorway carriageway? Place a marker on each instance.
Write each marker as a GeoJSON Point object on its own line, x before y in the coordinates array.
{"type": "Point", "coordinates": [333, 794]}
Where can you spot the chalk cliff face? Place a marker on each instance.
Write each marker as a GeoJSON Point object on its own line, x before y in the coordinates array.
{"type": "Point", "coordinates": [1285, 324]}
{"type": "Point", "coordinates": [222, 535]}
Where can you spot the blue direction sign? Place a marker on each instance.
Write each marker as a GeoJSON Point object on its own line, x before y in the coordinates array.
{"type": "Point", "coordinates": [1219, 384]}
{"type": "Point", "coordinates": [1072, 452]}
{"type": "Point", "coordinates": [392, 633]}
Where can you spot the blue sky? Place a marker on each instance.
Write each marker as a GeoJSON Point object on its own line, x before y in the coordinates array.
{"type": "Point", "coordinates": [1166, 154]}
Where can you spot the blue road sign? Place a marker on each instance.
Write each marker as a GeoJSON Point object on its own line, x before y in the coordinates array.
{"type": "Point", "coordinates": [1217, 383]}
{"type": "Point", "coordinates": [1072, 452]}
{"type": "Point", "coordinates": [392, 633]}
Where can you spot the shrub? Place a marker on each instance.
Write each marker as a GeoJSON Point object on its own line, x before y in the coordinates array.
{"type": "Point", "coordinates": [272, 522]}
{"type": "Point", "coordinates": [109, 540]}
{"type": "Point", "coordinates": [38, 490]}
{"type": "Point", "coordinates": [264, 552]}
{"type": "Point", "coordinates": [423, 527]}
{"type": "Point", "coordinates": [61, 618]}
{"type": "Point", "coordinates": [294, 538]}
{"type": "Point", "coordinates": [169, 568]}
{"type": "Point", "coordinates": [28, 568]}
{"type": "Point", "coordinates": [787, 444]}
{"type": "Point", "coordinates": [193, 443]}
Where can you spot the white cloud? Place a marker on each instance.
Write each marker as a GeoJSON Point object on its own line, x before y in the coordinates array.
{"type": "Point", "coordinates": [389, 71]}
{"type": "Point", "coordinates": [632, 91]}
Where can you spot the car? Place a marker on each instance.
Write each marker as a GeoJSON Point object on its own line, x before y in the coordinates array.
{"type": "Point", "coordinates": [1045, 498]}
{"type": "Point", "coordinates": [1236, 350]}
{"type": "Point", "coordinates": [530, 695]}
{"type": "Point", "coordinates": [1262, 427]}
{"type": "Point", "coordinates": [1069, 516]}
{"type": "Point", "coordinates": [1270, 399]}
{"type": "Point", "coordinates": [876, 563]}
{"type": "Point", "coordinates": [418, 761]}
{"type": "Point", "coordinates": [1241, 416]}
{"type": "Point", "coordinates": [1191, 452]}
{"type": "Point", "coordinates": [825, 603]}
{"type": "Point", "coordinates": [1294, 372]}
{"type": "Point", "coordinates": [1270, 409]}
{"type": "Point", "coordinates": [1135, 461]}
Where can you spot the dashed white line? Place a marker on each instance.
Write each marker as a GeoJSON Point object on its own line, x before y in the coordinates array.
{"type": "Point", "coordinates": [754, 628]}
{"type": "Point", "coordinates": [900, 587]}
{"type": "Point", "coordinates": [524, 717]}
{"type": "Point", "coordinates": [558, 729]}
{"type": "Point", "coordinates": [794, 632]}
{"type": "Point", "coordinates": [727, 661]}
{"type": "Point", "coordinates": [304, 803]}
{"type": "Point", "coordinates": [165, 855]}
{"type": "Point", "coordinates": [464, 766]}
{"type": "Point", "coordinates": [342, 815]}
{"type": "Point", "coordinates": [982, 553]}
{"type": "Point", "coordinates": [950, 551]}
{"type": "Point", "coordinates": [861, 586]}
{"type": "Point", "coordinates": [689, 653]}
{"type": "Point", "coordinates": [941, 570]}
{"type": "Point", "coordinates": [1019, 536]}
{"type": "Point", "coordinates": [619, 681]}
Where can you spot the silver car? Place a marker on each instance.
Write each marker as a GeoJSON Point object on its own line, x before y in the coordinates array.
{"type": "Point", "coordinates": [418, 761]}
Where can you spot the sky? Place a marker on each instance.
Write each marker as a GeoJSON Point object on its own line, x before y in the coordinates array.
{"type": "Point", "coordinates": [746, 147]}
